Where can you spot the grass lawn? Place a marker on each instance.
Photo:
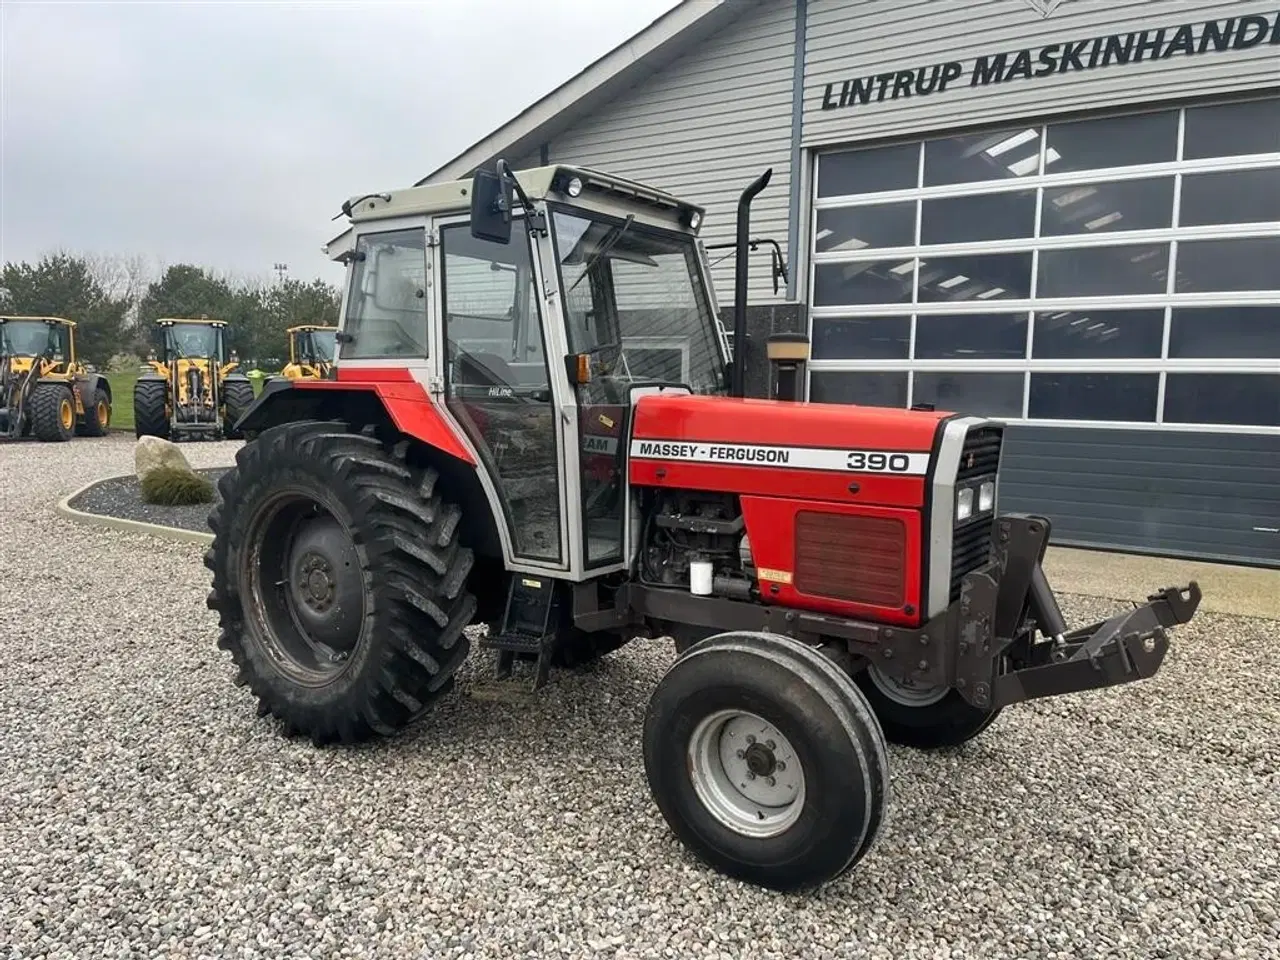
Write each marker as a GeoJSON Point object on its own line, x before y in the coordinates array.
{"type": "Point", "coordinates": [122, 398]}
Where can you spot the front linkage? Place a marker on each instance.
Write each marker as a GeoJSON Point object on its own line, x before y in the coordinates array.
{"type": "Point", "coordinates": [991, 655]}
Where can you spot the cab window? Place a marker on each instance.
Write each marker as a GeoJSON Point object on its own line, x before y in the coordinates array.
{"type": "Point", "coordinates": [387, 303]}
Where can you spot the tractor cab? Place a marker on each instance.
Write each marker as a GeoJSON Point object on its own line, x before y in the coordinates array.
{"type": "Point", "coordinates": [311, 352]}
{"type": "Point", "coordinates": [24, 340]}
{"type": "Point", "coordinates": [536, 307]}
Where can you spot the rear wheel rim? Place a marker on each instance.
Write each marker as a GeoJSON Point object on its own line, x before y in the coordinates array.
{"type": "Point", "coordinates": [104, 413]}
{"type": "Point", "coordinates": [301, 577]}
{"type": "Point", "coordinates": [67, 414]}
{"type": "Point", "coordinates": [746, 774]}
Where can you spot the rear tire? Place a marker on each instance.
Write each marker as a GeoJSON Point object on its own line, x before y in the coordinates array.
{"type": "Point", "coordinates": [794, 703]}
{"type": "Point", "coordinates": [149, 418]}
{"type": "Point", "coordinates": [924, 720]}
{"type": "Point", "coordinates": [238, 397]}
{"type": "Point", "coordinates": [366, 632]}
{"type": "Point", "coordinates": [97, 416]}
{"type": "Point", "coordinates": [53, 413]}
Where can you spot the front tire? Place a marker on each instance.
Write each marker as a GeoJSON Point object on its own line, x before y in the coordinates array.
{"type": "Point", "coordinates": [339, 581]}
{"type": "Point", "coordinates": [238, 397]}
{"type": "Point", "coordinates": [149, 416]}
{"type": "Point", "coordinates": [53, 413]}
{"type": "Point", "coordinates": [766, 761]}
{"type": "Point", "coordinates": [923, 719]}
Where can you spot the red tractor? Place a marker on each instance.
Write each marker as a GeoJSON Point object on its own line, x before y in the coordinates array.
{"type": "Point", "coordinates": [536, 426]}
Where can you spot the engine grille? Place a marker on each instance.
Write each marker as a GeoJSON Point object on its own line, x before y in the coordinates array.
{"type": "Point", "coordinates": [852, 558]}
{"type": "Point", "coordinates": [980, 455]}
{"type": "Point", "coordinates": [971, 543]}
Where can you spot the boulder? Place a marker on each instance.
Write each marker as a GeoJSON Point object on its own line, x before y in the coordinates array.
{"type": "Point", "coordinates": [153, 453]}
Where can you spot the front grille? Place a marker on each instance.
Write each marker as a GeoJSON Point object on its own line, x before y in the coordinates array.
{"type": "Point", "coordinates": [857, 559]}
{"type": "Point", "coordinates": [981, 452]}
{"type": "Point", "coordinates": [971, 543]}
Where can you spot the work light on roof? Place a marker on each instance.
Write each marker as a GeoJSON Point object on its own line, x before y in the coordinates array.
{"type": "Point", "coordinates": [574, 187]}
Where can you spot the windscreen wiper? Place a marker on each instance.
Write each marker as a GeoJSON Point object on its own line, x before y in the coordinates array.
{"type": "Point", "coordinates": [610, 242]}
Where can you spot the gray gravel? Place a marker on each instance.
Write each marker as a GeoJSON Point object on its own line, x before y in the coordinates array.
{"type": "Point", "coordinates": [146, 811]}
{"type": "Point", "coordinates": [120, 497]}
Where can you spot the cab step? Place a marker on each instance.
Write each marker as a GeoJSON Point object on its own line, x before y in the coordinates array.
{"type": "Point", "coordinates": [528, 630]}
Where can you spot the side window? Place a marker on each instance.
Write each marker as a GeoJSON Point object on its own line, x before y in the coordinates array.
{"type": "Point", "coordinates": [60, 342]}
{"type": "Point", "coordinates": [387, 305]}
{"type": "Point", "coordinates": [491, 314]}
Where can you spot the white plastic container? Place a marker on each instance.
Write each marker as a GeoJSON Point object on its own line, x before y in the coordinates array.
{"type": "Point", "coordinates": [700, 572]}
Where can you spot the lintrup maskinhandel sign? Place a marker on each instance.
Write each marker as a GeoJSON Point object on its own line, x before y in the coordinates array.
{"type": "Point", "coordinates": [1144, 46]}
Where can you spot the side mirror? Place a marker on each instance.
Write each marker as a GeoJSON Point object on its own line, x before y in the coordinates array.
{"type": "Point", "coordinates": [491, 207]}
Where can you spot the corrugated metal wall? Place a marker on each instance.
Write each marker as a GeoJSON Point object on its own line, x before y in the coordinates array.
{"type": "Point", "coordinates": [1205, 495]}
{"type": "Point", "coordinates": [853, 39]}
{"type": "Point", "coordinates": [706, 126]}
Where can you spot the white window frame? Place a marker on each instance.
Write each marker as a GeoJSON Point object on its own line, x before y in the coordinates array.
{"type": "Point", "coordinates": [1040, 182]}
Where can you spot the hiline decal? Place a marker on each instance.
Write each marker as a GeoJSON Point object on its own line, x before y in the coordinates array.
{"type": "Point", "coordinates": [791, 458]}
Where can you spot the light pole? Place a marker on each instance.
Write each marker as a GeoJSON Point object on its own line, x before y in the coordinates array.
{"type": "Point", "coordinates": [281, 269]}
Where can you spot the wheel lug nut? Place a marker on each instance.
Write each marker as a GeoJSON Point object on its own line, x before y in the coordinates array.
{"type": "Point", "coordinates": [741, 754]}
{"type": "Point", "coordinates": [750, 775]}
{"type": "Point", "coordinates": [771, 745]}
{"type": "Point", "coordinates": [770, 781]}
{"type": "Point", "coordinates": [750, 738]}
{"type": "Point", "coordinates": [781, 766]}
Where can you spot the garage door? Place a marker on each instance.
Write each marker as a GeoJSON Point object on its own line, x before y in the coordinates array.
{"type": "Point", "coordinates": [1109, 285]}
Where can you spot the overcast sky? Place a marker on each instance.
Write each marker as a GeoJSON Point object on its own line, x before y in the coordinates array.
{"type": "Point", "coordinates": [227, 134]}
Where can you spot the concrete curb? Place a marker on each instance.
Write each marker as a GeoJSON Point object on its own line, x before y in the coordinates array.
{"type": "Point", "coordinates": [179, 534]}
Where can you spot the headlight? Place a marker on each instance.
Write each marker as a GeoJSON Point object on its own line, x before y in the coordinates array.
{"type": "Point", "coordinates": [575, 187]}
{"type": "Point", "coordinates": [986, 496]}
{"type": "Point", "coordinates": [964, 504]}
{"type": "Point", "coordinates": [695, 220]}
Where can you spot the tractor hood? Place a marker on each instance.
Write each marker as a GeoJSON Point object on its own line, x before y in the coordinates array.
{"type": "Point", "coordinates": [780, 448]}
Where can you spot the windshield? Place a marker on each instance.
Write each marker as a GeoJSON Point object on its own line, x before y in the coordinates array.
{"type": "Point", "coordinates": [633, 298]}
{"type": "Point", "coordinates": [24, 338]}
{"type": "Point", "coordinates": [322, 344]}
{"type": "Point", "coordinates": [194, 341]}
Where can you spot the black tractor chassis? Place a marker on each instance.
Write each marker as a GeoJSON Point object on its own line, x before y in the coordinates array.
{"type": "Point", "coordinates": [984, 645]}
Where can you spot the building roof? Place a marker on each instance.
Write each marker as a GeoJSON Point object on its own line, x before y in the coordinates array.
{"type": "Point", "coordinates": [621, 68]}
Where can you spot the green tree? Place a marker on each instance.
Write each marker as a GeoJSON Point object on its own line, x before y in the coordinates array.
{"type": "Point", "coordinates": [62, 285]}
{"type": "Point", "coordinates": [288, 304]}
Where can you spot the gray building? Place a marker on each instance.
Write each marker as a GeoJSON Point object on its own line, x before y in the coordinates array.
{"type": "Point", "coordinates": [1065, 213]}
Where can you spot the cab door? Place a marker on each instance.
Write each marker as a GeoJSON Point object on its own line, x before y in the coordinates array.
{"type": "Point", "coordinates": [497, 381]}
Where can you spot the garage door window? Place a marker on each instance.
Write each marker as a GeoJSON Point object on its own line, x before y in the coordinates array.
{"type": "Point", "coordinates": [1109, 270]}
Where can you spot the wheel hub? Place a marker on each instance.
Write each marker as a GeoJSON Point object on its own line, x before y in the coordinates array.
{"type": "Point", "coordinates": [746, 773]}
{"type": "Point", "coordinates": [325, 583]}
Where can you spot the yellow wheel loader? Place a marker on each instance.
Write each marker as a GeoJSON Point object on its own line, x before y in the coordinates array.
{"type": "Point", "coordinates": [45, 391]}
{"type": "Point", "coordinates": [311, 351]}
{"type": "Point", "coordinates": [191, 390]}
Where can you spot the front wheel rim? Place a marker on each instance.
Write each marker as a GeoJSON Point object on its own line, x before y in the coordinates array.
{"type": "Point", "coordinates": [67, 414]}
{"type": "Point", "coordinates": [104, 413]}
{"type": "Point", "coordinates": [904, 694]}
{"type": "Point", "coordinates": [301, 577]}
{"type": "Point", "coordinates": [746, 774]}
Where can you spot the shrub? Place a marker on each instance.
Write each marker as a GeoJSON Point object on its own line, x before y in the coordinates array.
{"type": "Point", "coordinates": [168, 487]}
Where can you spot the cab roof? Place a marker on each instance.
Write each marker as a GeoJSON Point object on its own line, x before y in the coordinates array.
{"type": "Point", "coordinates": [304, 327]}
{"type": "Point", "coordinates": [60, 320]}
{"type": "Point", "coordinates": [201, 322]}
{"type": "Point", "coordinates": [599, 191]}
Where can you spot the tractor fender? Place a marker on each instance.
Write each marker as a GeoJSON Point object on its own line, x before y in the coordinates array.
{"type": "Point", "coordinates": [406, 405]}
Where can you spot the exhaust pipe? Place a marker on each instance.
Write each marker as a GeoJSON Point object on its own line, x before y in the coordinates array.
{"type": "Point", "coordinates": [738, 382]}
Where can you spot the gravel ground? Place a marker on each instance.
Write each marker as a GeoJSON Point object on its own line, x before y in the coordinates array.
{"type": "Point", "coordinates": [119, 497]}
{"type": "Point", "coordinates": [146, 811]}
